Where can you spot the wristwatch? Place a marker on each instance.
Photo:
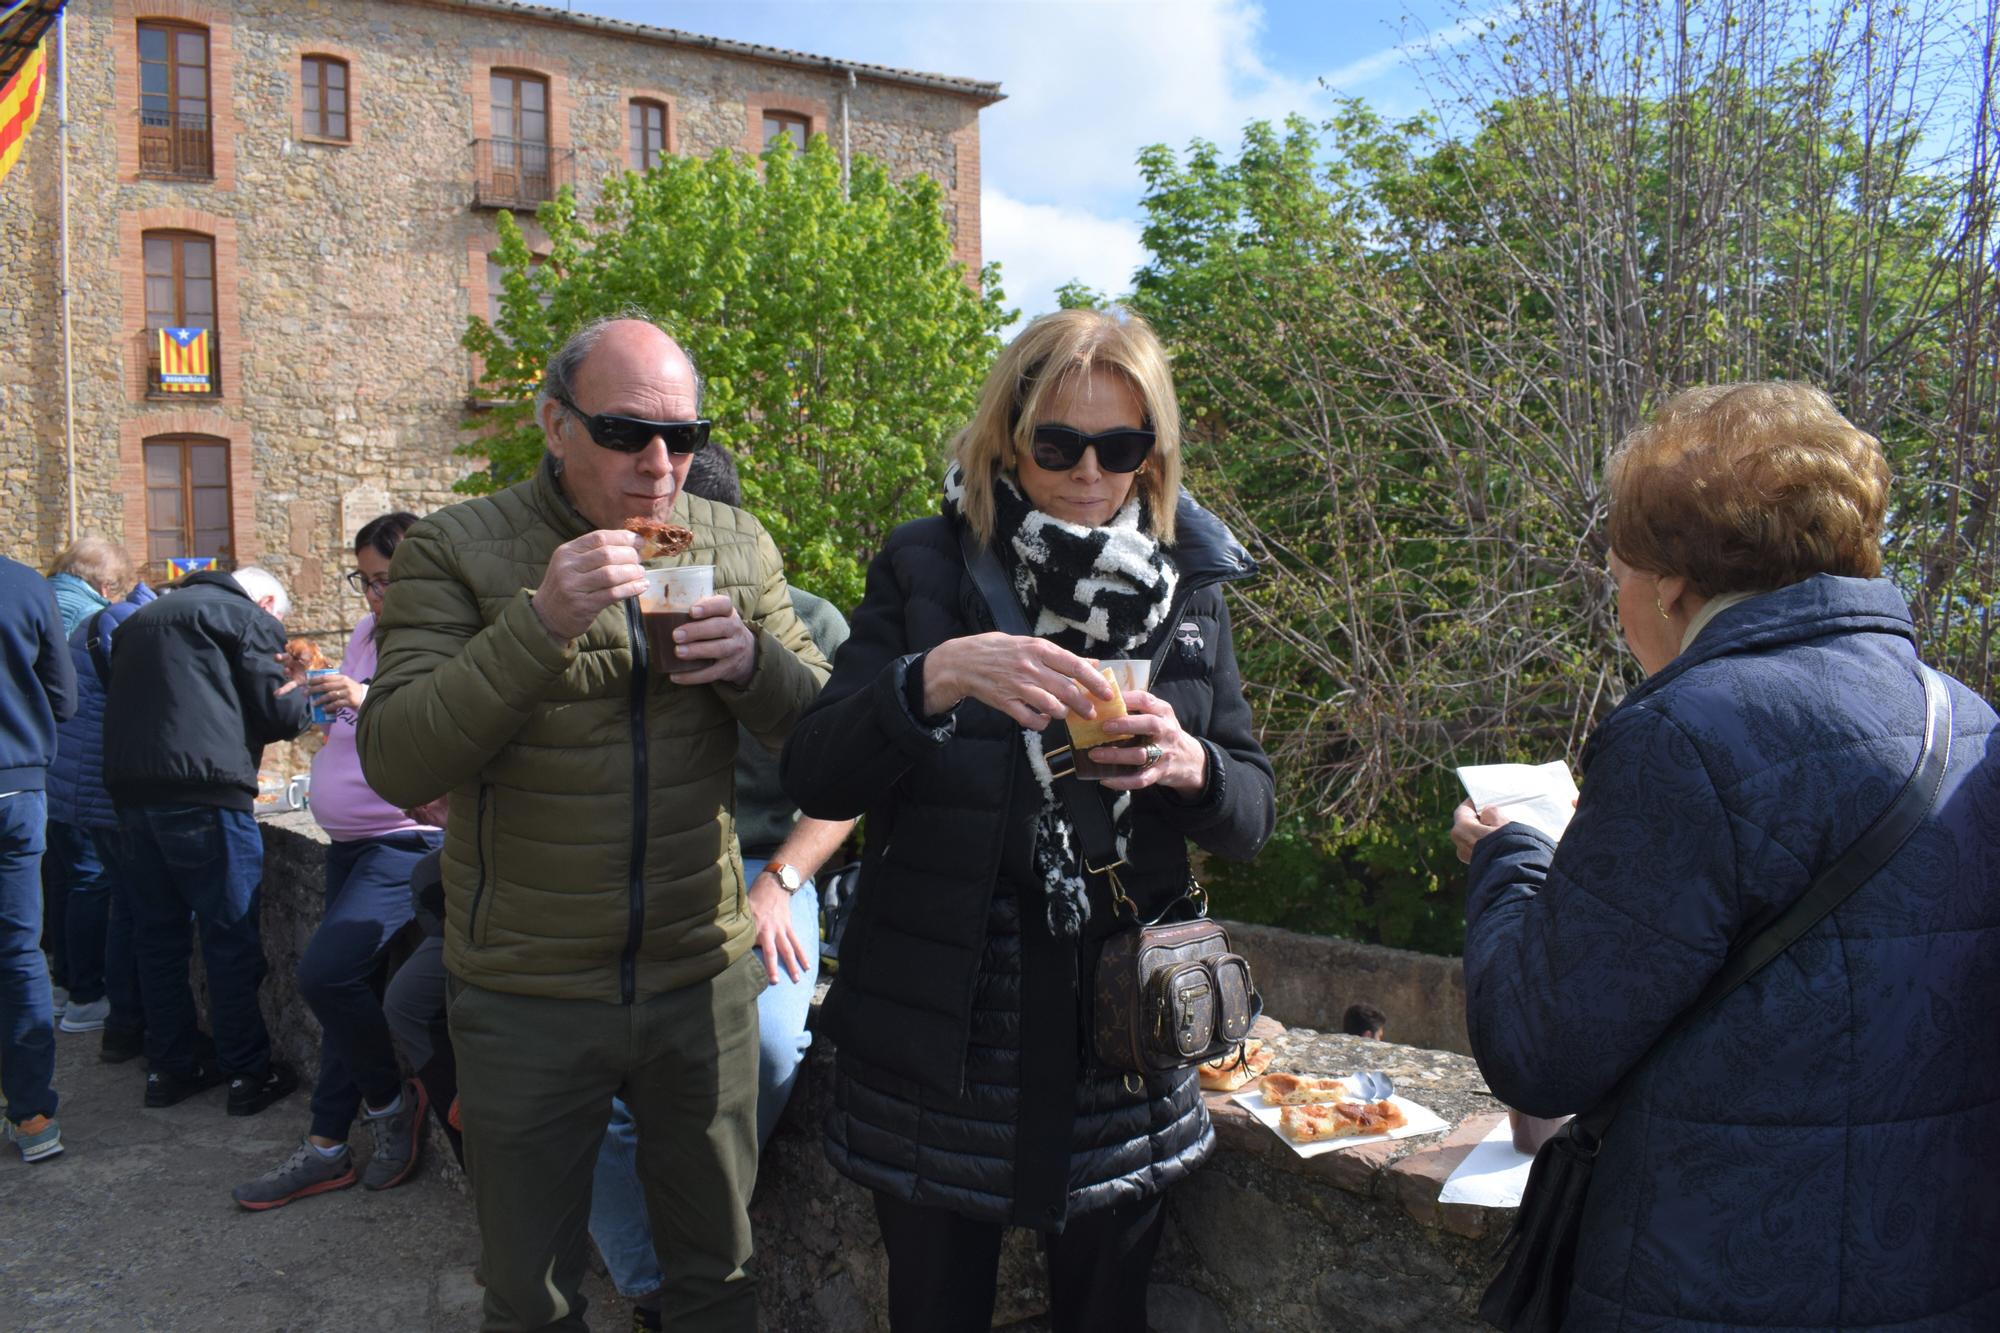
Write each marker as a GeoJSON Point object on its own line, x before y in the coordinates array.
{"type": "Point", "coordinates": [788, 876]}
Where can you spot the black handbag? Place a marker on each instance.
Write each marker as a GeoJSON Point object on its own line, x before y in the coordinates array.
{"type": "Point", "coordinates": [1530, 1294]}
{"type": "Point", "coordinates": [1164, 994]}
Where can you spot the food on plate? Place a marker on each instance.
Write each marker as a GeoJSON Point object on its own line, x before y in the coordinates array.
{"type": "Point", "coordinates": [1231, 1070]}
{"type": "Point", "coordinates": [303, 655]}
{"type": "Point", "coordinates": [1339, 1120]}
{"type": "Point", "coordinates": [1299, 1090]}
{"type": "Point", "coordinates": [660, 539]}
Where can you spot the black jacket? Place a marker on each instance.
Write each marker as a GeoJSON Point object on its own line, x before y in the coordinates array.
{"type": "Point", "coordinates": [963, 1081]}
{"type": "Point", "coordinates": [41, 682]}
{"type": "Point", "coordinates": [193, 698]}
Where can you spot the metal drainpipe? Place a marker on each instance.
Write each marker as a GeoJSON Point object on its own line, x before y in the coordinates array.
{"type": "Point", "coordinates": [62, 190]}
{"type": "Point", "coordinates": [845, 138]}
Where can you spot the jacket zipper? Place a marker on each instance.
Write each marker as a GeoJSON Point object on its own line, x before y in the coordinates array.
{"type": "Point", "coordinates": [479, 850]}
{"type": "Point", "coordinates": [628, 965]}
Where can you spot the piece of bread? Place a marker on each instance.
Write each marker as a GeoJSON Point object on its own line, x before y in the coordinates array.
{"type": "Point", "coordinates": [1298, 1090]}
{"type": "Point", "coordinates": [303, 655]}
{"type": "Point", "coordinates": [660, 539]}
{"type": "Point", "coordinates": [1087, 733]}
{"type": "Point", "coordinates": [1231, 1070]}
{"type": "Point", "coordinates": [1339, 1120]}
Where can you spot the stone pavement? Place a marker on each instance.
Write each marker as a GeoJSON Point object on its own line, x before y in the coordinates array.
{"type": "Point", "coordinates": [133, 1227]}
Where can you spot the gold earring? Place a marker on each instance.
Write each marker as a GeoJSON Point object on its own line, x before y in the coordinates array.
{"type": "Point", "coordinates": [1661, 609]}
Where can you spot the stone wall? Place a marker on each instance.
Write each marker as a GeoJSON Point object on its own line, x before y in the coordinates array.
{"type": "Point", "coordinates": [1260, 1238]}
{"type": "Point", "coordinates": [345, 271]}
{"type": "Point", "coordinates": [1311, 979]}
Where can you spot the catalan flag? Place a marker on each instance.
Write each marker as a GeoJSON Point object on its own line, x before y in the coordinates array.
{"type": "Point", "coordinates": [20, 104]}
{"type": "Point", "coordinates": [184, 361]}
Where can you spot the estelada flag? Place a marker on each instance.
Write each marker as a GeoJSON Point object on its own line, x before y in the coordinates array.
{"type": "Point", "coordinates": [20, 104]}
{"type": "Point", "coordinates": [184, 360]}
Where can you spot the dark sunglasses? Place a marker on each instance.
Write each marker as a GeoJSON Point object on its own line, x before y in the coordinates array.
{"type": "Point", "coordinates": [1060, 448]}
{"type": "Point", "coordinates": [361, 583]}
{"type": "Point", "coordinates": [631, 435]}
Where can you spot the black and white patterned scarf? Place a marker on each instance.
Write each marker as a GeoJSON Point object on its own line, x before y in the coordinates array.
{"type": "Point", "coordinates": [1099, 592]}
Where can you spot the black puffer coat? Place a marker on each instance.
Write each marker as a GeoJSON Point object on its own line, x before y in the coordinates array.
{"type": "Point", "coordinates": [964, 1081]}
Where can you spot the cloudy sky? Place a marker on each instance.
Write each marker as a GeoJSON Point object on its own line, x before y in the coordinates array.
{"type": "Point", "coordinates": [1089, 84]}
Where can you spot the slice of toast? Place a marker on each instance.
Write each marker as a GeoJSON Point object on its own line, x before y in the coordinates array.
{"type": "Point", "coordinates": [1299, 1090]}
{"type": "Point", "coordinates": [1228, 1072]}
{"type": "Point", "coordinates": [1087, 733]}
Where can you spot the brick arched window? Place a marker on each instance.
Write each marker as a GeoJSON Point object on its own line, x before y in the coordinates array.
{"type": "Point", "coordinates": [323, 92]}
{"type": "Point", "coordinates": [176, 138]}
{"type": "Point", "coordinates": [187, 497]}
{"type": "Point", "coordinates": [180, 295]}
{"type": "Point", "coordinates": [646, 133]}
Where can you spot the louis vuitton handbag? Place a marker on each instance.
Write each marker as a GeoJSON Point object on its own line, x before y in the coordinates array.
{"type": "Point", "coordinates": [1169, 993]}
{"type": "Point", "coordinates": [1530, 1294]}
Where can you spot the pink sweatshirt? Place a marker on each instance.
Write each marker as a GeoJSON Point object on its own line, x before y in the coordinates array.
{"type": "Point", "coordinates": [342, 801]}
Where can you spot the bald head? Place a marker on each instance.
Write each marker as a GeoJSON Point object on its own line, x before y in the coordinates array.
{"type": "Point", "coordinates": [623, 368]}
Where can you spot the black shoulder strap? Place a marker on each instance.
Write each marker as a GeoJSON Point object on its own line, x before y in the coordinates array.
{"type": "Point", "coordinates": [1085, 806]}
{"type": "Point", "coordinates": [98, 645]}
{"type": "Point", "coordinates": [1833, 886]}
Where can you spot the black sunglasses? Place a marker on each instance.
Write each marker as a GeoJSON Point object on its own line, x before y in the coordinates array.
{"type": "Point", "coordinates": [631, 435]}
{"type": "Point", "coordinates": [1060, 448]}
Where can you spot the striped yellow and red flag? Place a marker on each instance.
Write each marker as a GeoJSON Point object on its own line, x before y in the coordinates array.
{"type": "Point", "coordinates": [184, 360]}
{"type": "Point", "coordinates": [20, 104]}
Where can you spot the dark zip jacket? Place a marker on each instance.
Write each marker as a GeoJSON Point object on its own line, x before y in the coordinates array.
{"type": "Point", "coordinates": [963, 1080]}
{"type": "Point", "coordinates": [194, 699]}
{"type": "Point", "coordinates": [41, 682]}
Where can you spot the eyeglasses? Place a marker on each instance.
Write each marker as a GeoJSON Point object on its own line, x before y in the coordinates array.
{"type": "Point", "coordinates": [1060, 448]}
{"type": "Point", "coordinates": [631, 435]}
{"type": "Point", "coordinates": [364, 585]}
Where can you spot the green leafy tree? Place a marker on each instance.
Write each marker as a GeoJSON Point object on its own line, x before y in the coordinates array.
{"type": "Point", "coordinates": [838, 339]}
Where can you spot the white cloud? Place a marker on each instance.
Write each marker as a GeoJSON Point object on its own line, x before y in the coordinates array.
{"type": "Point", "coordinates": [1043, 246]}
{"type": "Point", "coordinates": [1369, 68]}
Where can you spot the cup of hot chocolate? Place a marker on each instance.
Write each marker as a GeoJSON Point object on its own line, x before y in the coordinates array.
{"type": "Point", "coordinates": [1126, 674]}
{"type": "Point", "coordinates": [665, 606]}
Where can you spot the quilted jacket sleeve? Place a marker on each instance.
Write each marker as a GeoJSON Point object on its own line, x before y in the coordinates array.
{"type": "Point", "coordinates": [1232, 816]}
{"type": "Point", "coordinates": [790, 668]}
{"type": "Point", "coordinates": [450, 690]}
{"type": "Point", "coordinates": [860, 736]}
{"type": "Point", "coordinates": [1578, 956]}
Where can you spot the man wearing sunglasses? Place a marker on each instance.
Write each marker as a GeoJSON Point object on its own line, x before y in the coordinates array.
{"type": "Point", "coordinates": [597, 937]}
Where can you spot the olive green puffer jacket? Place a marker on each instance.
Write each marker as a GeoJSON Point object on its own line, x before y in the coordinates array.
{"type": "Point", "coordinates": [590, 852]}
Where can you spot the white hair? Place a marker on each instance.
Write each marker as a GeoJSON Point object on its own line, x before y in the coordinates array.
{"type": "Point", "coordinates": [262, 583]}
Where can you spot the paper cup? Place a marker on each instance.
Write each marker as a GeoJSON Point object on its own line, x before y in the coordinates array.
{"type": "Point", "coordinates": [1131, 673]}
{"type": "Point", "coordinates": [319, 714]}
{"type": "Point", "coordinates": [670, 594]}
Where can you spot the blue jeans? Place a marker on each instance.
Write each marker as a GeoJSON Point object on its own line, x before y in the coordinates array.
{"type": "Point", "coordinates": [121, 960]}
{"type": "Point", "coordinates": [27, 1010]}
{"type": "Point", "coordinates": [210, 861]}
{"type": "Point", "coordinates": [618, 1221]}
{"type": "Point", "coordinates": [86, 895]}
{"type": "Point", "coordinates": [340, 974]}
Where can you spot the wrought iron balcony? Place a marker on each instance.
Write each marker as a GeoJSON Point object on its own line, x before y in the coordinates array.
{"type": "Point", "coordinates": [175, 145]}
{"type": "Point", "coordinates": [518, 173]}
{"type": "Point", "coordinates": [182, 368]}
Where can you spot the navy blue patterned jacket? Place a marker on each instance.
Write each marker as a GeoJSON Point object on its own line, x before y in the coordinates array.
{"type": "Point", "coordinates": [1822, 1150]}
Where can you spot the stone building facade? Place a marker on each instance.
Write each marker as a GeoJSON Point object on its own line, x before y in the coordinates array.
{"type": "Point", "coordinates": [316, 183]}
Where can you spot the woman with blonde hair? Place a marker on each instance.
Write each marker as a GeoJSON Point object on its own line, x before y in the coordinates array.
{"type": "Point", "coordinates": [1816, 1147]}
{"type": "Point", "coordinates": [968, 1098]}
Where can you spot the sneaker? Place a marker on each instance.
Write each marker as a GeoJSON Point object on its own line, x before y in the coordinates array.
{"type": "Point", "coordinates": [58, 998]}
{"type": "Point", "coordinates": [166, 1088]}
{"type": "Point", "coordinates": [88, 1017]}
{"type": "Point", "coordinates": [121, 1044]}
{"type": "Point", "coordinates": [646, 1318]}
{"type": "Point", "coordinates": [307, 1171]}
{"type": "Point", "coordinates": [251, 1093]}
{"type": "Point", "coordinates": [38, 1136]}
{"type": "Point", "coordinates": [397, 1136]}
